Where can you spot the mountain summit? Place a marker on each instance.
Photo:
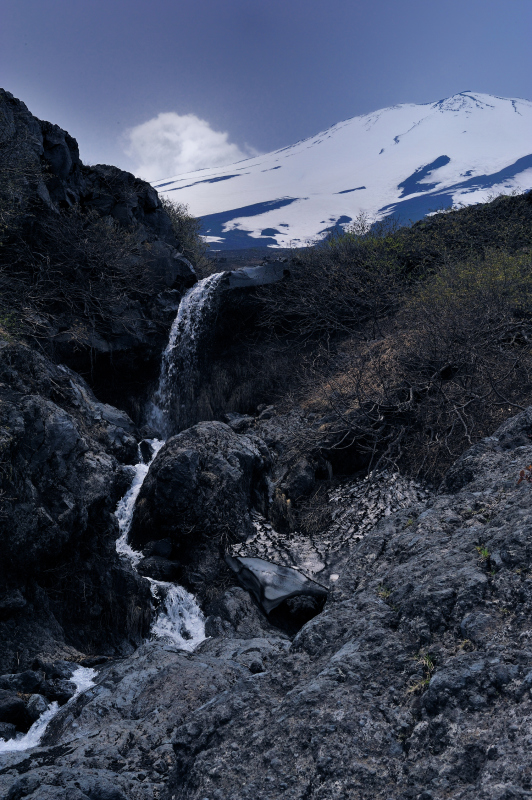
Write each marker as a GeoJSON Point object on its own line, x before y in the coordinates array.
{"type": "Point", "coordinates": [407, 160]}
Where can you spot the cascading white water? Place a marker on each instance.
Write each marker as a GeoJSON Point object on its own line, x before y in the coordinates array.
{"type": "Point", "coordinates": [169, 410]}
{"type": "Point", "coordinates": [83, 678]}
{"type": "Point", "coordinates": [180, 620]}
{"type": "Point", "coordinates": [126, 506]}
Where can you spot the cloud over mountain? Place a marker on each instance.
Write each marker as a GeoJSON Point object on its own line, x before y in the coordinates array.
{"type": "Point", "coordinates": [172, 144]}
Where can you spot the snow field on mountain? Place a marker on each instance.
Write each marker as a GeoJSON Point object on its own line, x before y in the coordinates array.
{"type": "Point", "coordinates": [405, 160]}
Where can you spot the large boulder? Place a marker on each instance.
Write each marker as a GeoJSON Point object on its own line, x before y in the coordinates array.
{"type": "Point", "coordinates": [251, 277]}
{"type": "Point", "coordinates": [198, 494]}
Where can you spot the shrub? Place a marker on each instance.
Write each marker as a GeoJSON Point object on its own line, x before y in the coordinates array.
{"type": "Point", "coordinates": [453, 363]}
{"type": "Point", "coordinates": [71, 265]}
{"type": "Point", "coordinates": [344, 284]}
{"type": "Point", "coordinates": [187, 230]}
{"type": "Point", "coordinates": [19, 169]}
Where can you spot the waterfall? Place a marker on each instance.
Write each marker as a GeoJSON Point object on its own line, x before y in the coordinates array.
{"type": "Point", "coordinates": [179, 620]}
{"type": "Point", "coordinates": [83, 679]}
{"type": "Point", "coordinates": [170, 409]}
{"type": "Point", "coordinates": [126, 506]}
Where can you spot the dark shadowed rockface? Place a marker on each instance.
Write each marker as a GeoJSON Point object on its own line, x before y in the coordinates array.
{"type": "Point", "coordinates": [58, 212]}
{"type": "Point", "coordinates": [61, 474]}
{"type": "Point", "coordinates": [413, 683]}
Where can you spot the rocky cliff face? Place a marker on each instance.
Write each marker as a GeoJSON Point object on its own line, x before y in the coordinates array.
{"type": "Point", "coordinates": [61, 471]}
{"type": "Point", "coordinates": [55, 196]}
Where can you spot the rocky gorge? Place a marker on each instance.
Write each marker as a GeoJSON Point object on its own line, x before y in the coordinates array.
{"type": "Point", "coordinates": [221, 652]}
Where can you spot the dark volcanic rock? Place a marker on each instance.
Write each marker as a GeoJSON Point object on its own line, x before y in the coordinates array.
{"type": "Point", "coordinates": [58, 690]}
{"type": "Point", "coordinates": [36, 705]}
{"type": "Point", "coordinates": [61, 580]}
{"type": "Point", "coordinates": [64, 181]}
{"type": "Point", "coordinates": [236, 615]}
{"type": "Point", "coordinates": [413, 683]}
{"type": "Point", "coordinates": [110, 352]}
{"type": "Point", "coordinates": [382, 695]}
{"type": "Point", "coordinates": [198, 494]}
{"type": "Point", "coordinates": [25, 682]}
{"type": "Point", "coordinates": [13, 709]}
{"type": "Point", "coordinates": [159, 568]}
{"type": "Point", "coordinates": [7, 731]}
{"type": "Point", "coordinates": [119, 730]}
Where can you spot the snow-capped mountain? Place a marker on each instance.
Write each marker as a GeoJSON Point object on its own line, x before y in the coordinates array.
{"type": "Point", "coordinates": [407, 160]}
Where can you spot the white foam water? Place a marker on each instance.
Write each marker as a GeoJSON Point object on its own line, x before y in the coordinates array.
{"type": "Point", "coordinates": [169, 408]}
{"type": "Point", "coordinates": [83, 678]}
{"type": "Point", "coordinates": [179, 620]}
{"type": "Point", "coordinates": [126, 506]}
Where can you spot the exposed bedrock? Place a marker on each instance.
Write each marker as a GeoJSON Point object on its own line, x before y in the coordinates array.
{"type": "Point", "coordinates": [414, 683]}
{"type": "Point", "coordinates": [61, 582]}
{"type": "Point", "coordinates": [108, 352]}
{"type": "Point", "coordinates": [251, 277]}
{"type": "Point", "coordinates": [198, 496]}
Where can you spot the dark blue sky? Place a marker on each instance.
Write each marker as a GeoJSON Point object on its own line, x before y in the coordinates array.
{"type": "Point", "coordinates": [267, 72]}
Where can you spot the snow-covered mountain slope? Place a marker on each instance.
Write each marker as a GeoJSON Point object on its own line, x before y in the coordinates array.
{"type": "Point", "coordinates": [407, 160]}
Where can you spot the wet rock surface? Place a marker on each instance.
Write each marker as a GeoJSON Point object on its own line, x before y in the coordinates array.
{"type": "Point", "coordinates": [60, 478]}
{"type": "Point", "coordinates": [198, 496]}
{"type": "Point", "coordinates": [413, 682]}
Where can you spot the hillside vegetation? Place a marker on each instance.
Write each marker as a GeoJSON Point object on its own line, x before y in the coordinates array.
{"type": "Point", "coordinates": [408, 344]}
{"type": "Point", "coordinates": [405, 345]}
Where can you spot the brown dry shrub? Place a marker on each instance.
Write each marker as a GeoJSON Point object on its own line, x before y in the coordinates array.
{"type": "Point", "coordinates": [188, 232]}
{"type": "Point", "coordinates": [72, 266]}
{"type": "Point", "coordinates": [453, 364]}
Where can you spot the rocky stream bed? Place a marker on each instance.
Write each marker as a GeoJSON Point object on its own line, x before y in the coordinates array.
{"type": "Point", "coordinates": [413, 681]}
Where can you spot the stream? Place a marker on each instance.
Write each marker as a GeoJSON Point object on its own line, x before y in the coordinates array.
{"type": "Point", "coordinates": [179, 620]}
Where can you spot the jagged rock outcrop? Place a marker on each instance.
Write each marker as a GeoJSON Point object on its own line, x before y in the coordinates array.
{"type": "Point", "coordinates": [43, 172]}
{"type": "Point", "coordinates": [414, 682]}
{"type": "Point", "coordinates": [198, 495]}
{"type": "Point", "coordinates": [61, 582]}
{"type": "Point", "coordinates": [60, 179]}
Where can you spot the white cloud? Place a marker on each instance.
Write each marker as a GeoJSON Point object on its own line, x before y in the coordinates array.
{"type": "Point", "coordinates": [171, 144]}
